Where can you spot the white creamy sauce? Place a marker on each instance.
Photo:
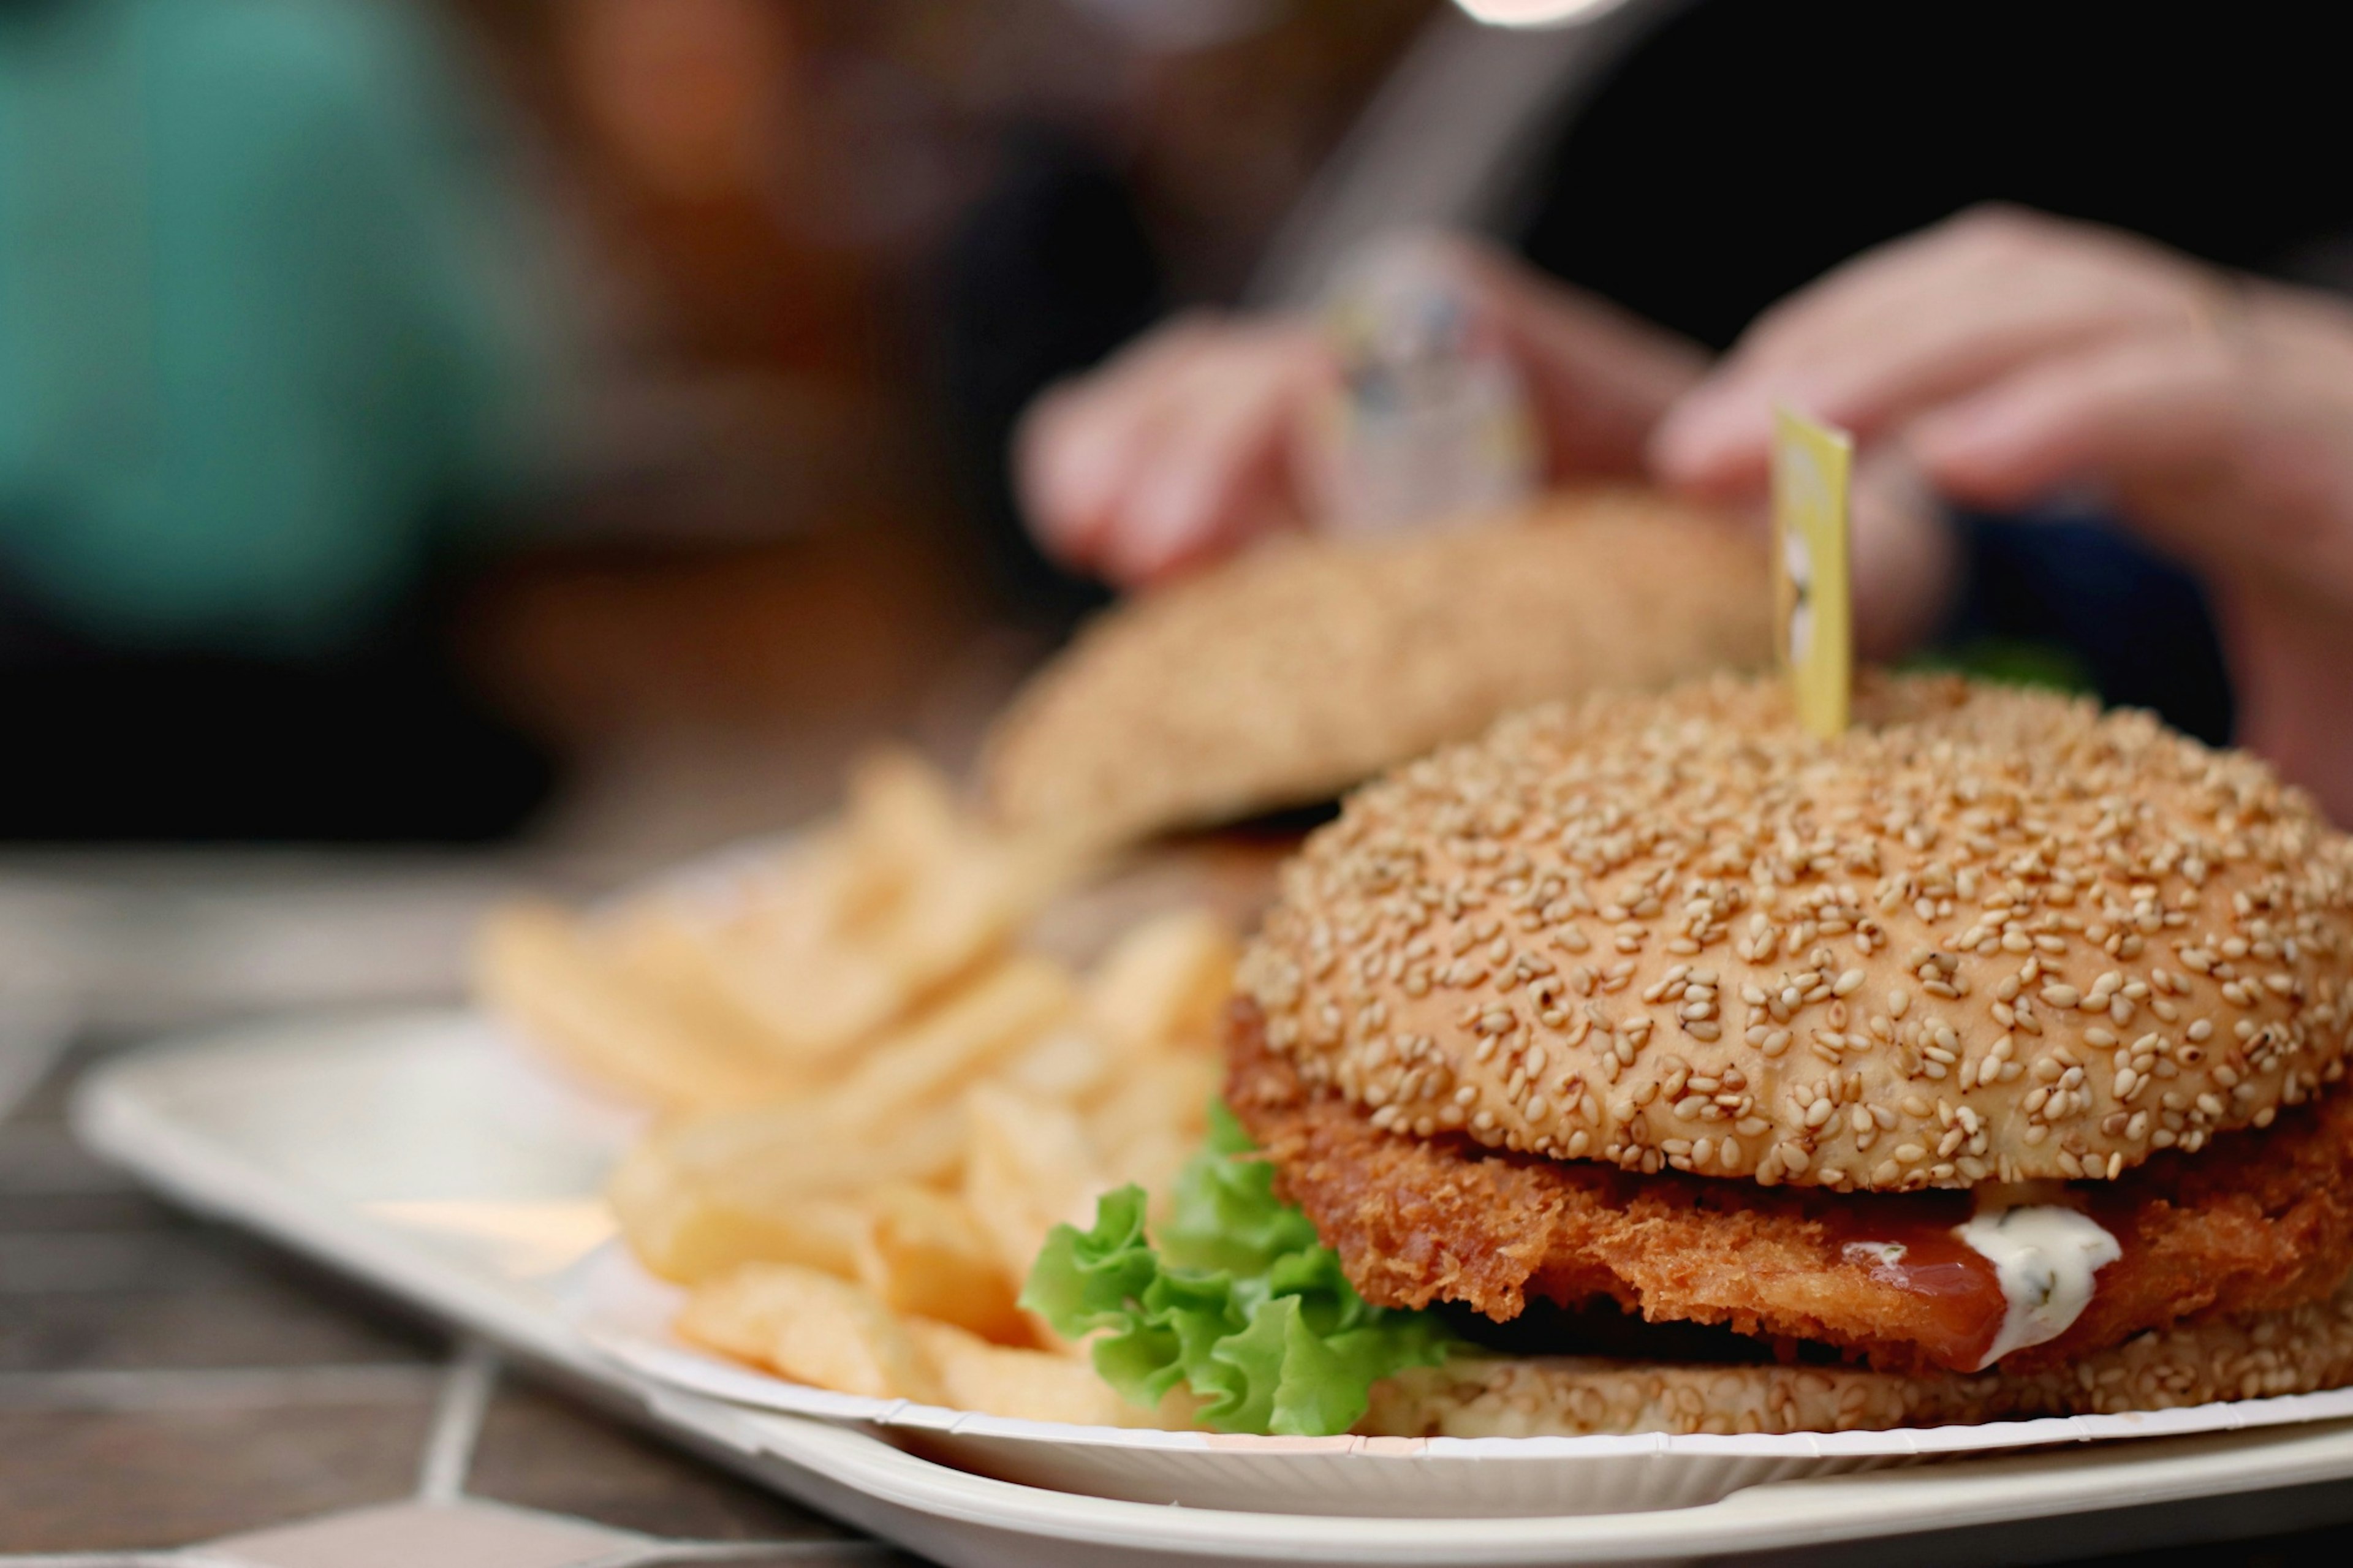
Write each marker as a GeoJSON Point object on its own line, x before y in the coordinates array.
{"type": "Point", "coordinates": [2045, 1255]}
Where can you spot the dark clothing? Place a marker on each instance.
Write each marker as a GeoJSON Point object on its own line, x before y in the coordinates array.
{"type": "Point", "coordinates": [381, 742]}
{"type": "Point", "coordinates": [2077, 601]}
{"type": "Point", "coordinates": [1745, 149]}
{"type": "Point", "coordinates": [1046, 275]}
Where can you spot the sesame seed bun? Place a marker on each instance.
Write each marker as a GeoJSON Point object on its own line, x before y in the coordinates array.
{"type": "Point", "coordinates": [2254, 1356]}
{"type": "Point", "coordinates": [1988, 934]}
{"type": "Point", "coordinates": [1308, 664]}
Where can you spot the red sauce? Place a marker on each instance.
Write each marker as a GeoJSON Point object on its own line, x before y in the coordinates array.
{"type": "Point", "coordinates": [1961, 1299]}
{"type": "Point", "coordinates": [1964, 1305]}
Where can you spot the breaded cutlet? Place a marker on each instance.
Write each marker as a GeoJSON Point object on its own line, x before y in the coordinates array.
{"type": "Point", "coordinates": [2255, 1222]}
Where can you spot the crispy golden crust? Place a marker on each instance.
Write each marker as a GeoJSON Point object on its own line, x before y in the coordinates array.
{"type": "Point", "coordinates": [2258, 1356]}
{"type": "Point", "coordinates": [1986, 934]}
{"type": "Point", "coordinates": [1284, 677]}
{"type": "Point", "coordinates": [2258, 1222]}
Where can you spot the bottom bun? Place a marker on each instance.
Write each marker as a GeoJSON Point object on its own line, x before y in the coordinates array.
{"type": "Point", "coordinates": [2256, 1356]}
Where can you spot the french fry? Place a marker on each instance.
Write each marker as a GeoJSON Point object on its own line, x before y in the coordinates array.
{"type": "Point", "coordinates": [1153, 1121]}
{"type": "Point", "coordinates": [666, 951]}
{"type": "Point", "coordinates": [688, 1229]}
{"type": "Point", "coordinates": [879, 1108]}
{"type": "Point", "coordinates": [538, 967]}
{"type": "Point", "coordinates": [786, 964]}
{"type": "Point", "coordinates": [976, 1029]}
{"type": "Point", "coordinates": [902, 811]}
{"type": "Point", "coordinates": [923, 1254]}
{"type": "Point", "coordinates": [1163, 984]}
{"type": "Point", "coordinates": [890, 1118]}
{"type": "Point", "coordinates": [718, 1190]}
{"type": "Point", "coordinates": [903, 815]}
{"type": "Point", "coordinates": [1027, 1168]}
{"type": "Point", "coordinates": [811, 1328]}
{"type": "Point", "coordinates": [778, 1184]}
{"type": "Point", "coordinates": [879, 914]}
{"type": "Point", "coordinates": [843, 998]}
{"type": "Point", "coordinates": [1032, 1386]}
{"type": "Point", "coordinates": [1067, 1066]}
{"type": "Point", "coordinates": [1160, 987]}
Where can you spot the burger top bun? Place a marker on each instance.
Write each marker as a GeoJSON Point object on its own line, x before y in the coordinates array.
{"type": "Point", "coordinates": [1986, 935]}
{"type": "Point", "coordinates": [1305, 666]}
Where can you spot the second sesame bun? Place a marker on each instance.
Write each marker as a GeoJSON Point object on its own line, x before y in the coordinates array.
{"type": "Point", "coordinates": [1988, 934]}
{"type": "Point", "coordinates": [1306, 666]}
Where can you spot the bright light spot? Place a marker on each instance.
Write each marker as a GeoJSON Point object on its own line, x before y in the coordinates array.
{"type": "Point", "coordinates": [1536, 12]}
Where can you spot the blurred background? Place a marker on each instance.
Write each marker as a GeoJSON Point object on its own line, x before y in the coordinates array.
{"type": "Point", "coordinates": [451, 442]}
{"type": "Point", "coordinates": [570, 428]}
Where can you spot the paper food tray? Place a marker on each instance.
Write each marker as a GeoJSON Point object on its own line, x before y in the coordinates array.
{"type": "Point", "coordinates": [627, 1314]}
{"type": "Point", "coordinates": [419, 1153]}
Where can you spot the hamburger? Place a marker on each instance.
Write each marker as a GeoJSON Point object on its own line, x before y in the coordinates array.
{"type": "Point", "coordinates": [1652, 1064]}
{"type": "Point", "coordinates": [1280, 679]}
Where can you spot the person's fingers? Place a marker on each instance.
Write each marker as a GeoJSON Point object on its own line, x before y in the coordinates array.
{"type": "Point", "coordinates": [2231, 445]}
{"type": "Point", "coordinates": [1716, 437]}
{"type": "Point", "coordinates": [1058, 471]}
{"type": "Point", "coordinates": [1885, 280]}
{"type": "Point", "coordinates": [1926, 319]}
{"type": "Point", "coordinates": [1079, 447]}
{"type": "Point", "coordinates": [1220, 470]}
{"type": "Point", "coordinates": [1077, 456]}
{"type": "Point", "coordinates": [1975, 333]}
{"type": "Point", "coordinates": [1714, 440]}
{"type": "Point", "coordinates": [2116, 412]}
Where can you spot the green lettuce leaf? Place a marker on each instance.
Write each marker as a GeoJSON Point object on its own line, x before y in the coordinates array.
{"type": "Point", "coordinates": [1234, 1299]}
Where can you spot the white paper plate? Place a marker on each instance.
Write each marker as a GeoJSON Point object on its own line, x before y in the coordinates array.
{"type": "Point", "coordinates": [627, 1313]}
{"type": "Point", "coordinates": [407, 1150]}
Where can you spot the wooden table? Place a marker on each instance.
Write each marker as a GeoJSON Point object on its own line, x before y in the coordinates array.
{"type": "Point", "coordinates": [166, 1381]}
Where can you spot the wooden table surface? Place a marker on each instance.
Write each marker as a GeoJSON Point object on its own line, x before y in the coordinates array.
{"type": "Point", "coordinates": [168, 1382]}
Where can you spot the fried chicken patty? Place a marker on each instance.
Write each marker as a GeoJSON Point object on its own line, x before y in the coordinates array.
{"type": "Point", "coordinates": [2258, 1221]}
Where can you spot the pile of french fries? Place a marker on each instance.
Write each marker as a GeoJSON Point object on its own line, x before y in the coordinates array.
{"type": "Point", "coordinates": [874, 1102]}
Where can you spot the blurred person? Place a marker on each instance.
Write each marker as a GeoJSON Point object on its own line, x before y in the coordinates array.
{"type": "Point", "coordinates": [2013, 358]}
{"type": "Point", "coordinates": [270, 350]}
{"type": "Point", "coordinates": [1142, 164]}
{"type": "Point", "coordinates": [1683, 187]}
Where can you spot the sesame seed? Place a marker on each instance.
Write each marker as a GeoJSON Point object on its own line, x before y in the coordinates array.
{"type": "Point", "coordinates": [1617, 808]}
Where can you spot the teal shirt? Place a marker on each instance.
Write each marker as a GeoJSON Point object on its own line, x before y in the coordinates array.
{"type": "Point", "coordinates": [266, 311]}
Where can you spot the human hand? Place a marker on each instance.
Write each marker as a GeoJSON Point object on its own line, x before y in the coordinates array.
{"type": "Point", "coordinates": [2011, 356]}
{"type": "Point", "coordinates": [1184, 446]}
{"type": "Point", "coordinates": [1203, 435]}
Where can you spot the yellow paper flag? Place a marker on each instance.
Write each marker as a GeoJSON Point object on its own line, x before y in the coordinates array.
{"type": "Point", "coordinates": [1810, 465]}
